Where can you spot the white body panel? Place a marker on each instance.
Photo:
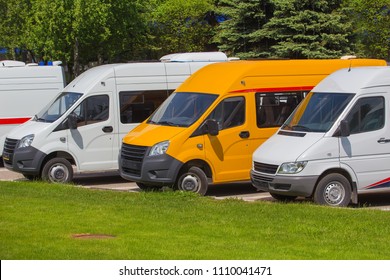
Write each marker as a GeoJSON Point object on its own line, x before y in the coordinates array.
{"type": "Point", "coordinates": [24, 90]}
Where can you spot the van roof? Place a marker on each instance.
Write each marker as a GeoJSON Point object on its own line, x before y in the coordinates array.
{"type": "Point", "coordinates": [195, 56]}
{"type": "Point", "coordinates": [96, 76]}
{"type": "Point", "coordinates": [242, 76]}
{"type": "Point", "coordinates": [19, 77]}
{"type": "Point", "coordinates": [354, 79]}
{"type": "Point", "coordinates": [90, 77]}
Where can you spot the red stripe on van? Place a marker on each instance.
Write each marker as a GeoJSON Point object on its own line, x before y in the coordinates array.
{"type": "Point", "coordinates": [280, 89]}
{"type": "Point", "coordinates": [383, 183]}
{"type": "Point", "coordinates": [13, 120]}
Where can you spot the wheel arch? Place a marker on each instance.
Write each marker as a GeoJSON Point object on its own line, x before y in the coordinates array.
{"type": "Point", "coordinates": [198, 163]}
{"type": "Point", "coordinates": [57, 154]}
{"type": "Point", "coordinates": [347, 175]}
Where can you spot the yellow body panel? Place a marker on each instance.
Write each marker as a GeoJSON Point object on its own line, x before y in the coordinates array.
{"type": "Point", "coordinates": [225, 77]}
{"type": "Point", "coordinates": [228, 155]}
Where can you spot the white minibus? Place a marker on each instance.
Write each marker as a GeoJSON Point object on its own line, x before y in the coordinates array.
{"type": "Point", "coordinates": [335, 145]}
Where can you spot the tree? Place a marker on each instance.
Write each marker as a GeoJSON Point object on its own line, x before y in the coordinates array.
{"type": "Point", "coordinates": [309, 29]}
{"type": "Point", "coordinates": [12, 24]}
{"type": "Point", "coordinates": [239, 35]}
{"type": "Point", "coordinates": [372, 26]}
{"type": "Point", "coordinates": [80, 31]}
{"type": "Point", "coordinates": [179, 26]}
{"type": "Point", "coordinates": [128, 31]}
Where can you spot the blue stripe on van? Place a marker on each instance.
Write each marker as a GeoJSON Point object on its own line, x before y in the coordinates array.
{"type": "Point", "coordinates": [381, 184]}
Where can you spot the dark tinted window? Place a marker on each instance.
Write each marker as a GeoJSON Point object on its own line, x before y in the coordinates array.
{"type": "Point", "coordinates": [137, 106]}
{"type": "Point", "coordinates": [273, 108]}
{"type": "Point", "coordinates": [92, 110]}
{"type": "Point", "coordinates": [229, 113]}
{"type": "Point", "coordinates": [368, 114]}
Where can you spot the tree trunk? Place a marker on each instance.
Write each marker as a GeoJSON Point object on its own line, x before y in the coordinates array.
{"type": "Point", "coordinates": [76, 59]}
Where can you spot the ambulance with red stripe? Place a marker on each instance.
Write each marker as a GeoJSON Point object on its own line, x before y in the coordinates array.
{"type": "Point", "coordinates": [207, 130]}
{"type": "Point", "coordinates": [25, 90]}
{"type": "Point", "coordinates": [335, 145]}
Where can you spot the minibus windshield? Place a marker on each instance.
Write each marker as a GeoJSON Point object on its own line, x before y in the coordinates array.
{"type": "Point", "coordinates": [182, 109]}
{"type": "Point", "coordinates": [317, 112]}
{"type": "Point", "coordinates": [58, 107]}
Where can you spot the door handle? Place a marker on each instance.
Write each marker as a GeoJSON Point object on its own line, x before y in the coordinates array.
{"type": "Point", "coordinates": [108, 129]}
{"type": "Point", "coordinates": [244, 134]}
{"type": "Point", "coordinates": [383, 141]}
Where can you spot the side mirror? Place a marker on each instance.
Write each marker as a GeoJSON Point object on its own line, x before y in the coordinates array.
{"type": "Point", "coordinates": [72, 121]}
{"type": "Point", "coordinates": [345, 130]}
{"type": "Point", "coordinates": [211, 127]}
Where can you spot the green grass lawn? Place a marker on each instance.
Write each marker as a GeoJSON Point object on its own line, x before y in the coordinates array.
{"type": "Point", "coordinates": [39, 221]}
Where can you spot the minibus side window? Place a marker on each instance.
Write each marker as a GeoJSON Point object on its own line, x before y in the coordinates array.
{"type": "Point", "coordinates": [273, 108]}
{"type": "Point", "coordinates": [92, 110]}
{"type": "Point", "coordinates": [368, 114]}
{"type": "Point", "coordinates": [229, 113]}
{"type": "Point", "coordinates": [137, 106]}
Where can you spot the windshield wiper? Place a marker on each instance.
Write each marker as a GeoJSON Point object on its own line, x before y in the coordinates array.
{"type": "Point", "coordinates": [168, 123]}
{"type": "Point", "coordinates": [301, 127]}
{"type": "Point", "coordinates": [38, 119]}
{"type": "Point", "coordinates": [284, 126]}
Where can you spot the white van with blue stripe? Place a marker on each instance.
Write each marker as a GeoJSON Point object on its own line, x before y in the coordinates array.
{"type": "Point", "coordinates": [335, 145]}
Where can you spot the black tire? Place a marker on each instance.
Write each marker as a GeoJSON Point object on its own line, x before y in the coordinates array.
{"type": "Point", "coordinates": [333, 190]}
{"type": "Point", "coordinates": [146, 187]}
{"type": "Point", "coordinates": [283, 198]}
{"type": "Point", "coordinates": [31, 177]}
{"type": "Point", "coordinates": [193, 180]}
{"type": "Point", "coordinates": [57, 170]}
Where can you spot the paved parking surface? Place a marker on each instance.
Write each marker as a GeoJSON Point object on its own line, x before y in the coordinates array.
{"type": "Point", "coordinates": [244, 191]}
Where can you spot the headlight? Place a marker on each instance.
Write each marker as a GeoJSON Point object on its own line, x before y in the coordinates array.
{"type": "Point", "coordinates": [26, 141]}
{"type": "Point", "coordinates": [292, 167]}
{"type": "Point", "coordinates": [159, 149]}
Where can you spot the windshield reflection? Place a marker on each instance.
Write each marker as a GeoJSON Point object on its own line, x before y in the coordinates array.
{"type": "Point", "coordinates": [58, 107]}
{"type": "Point", "coordinates": [317, 112]}
{"type": "Point", "coordinates": [182, 109]}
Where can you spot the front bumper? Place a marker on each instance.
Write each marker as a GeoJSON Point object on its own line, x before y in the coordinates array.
{"type": "Point", "coordinates": [284, 185]}
{"type": "Point", "coordinates": [159, 170]}
{"type": "Point", "coordinates": [24, 160]}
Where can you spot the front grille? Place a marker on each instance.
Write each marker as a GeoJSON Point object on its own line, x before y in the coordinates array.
{"type": "Point", "coordinates": [131, 171]}
{"type": "Point", "coordinates": [132, 157]}
{"type": "Point", "coordinates": [284, 187]}
{"type": "Point", "coordinates": [133, 153]}
{"type": "Point", "coordinates": [9, 149]}
{"type": "Point", "coordinates": [265, 168]}
{"type": "Point", "coordinates": [259, 178]}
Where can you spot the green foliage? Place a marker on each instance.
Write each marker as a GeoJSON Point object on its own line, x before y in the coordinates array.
{"type": "Point", "coordinates": [13, 18]}
{"type": "Point", "coordinates": [372, 26]}
{"type": "Point", "coordinates": [82, 31]}
{"type": "Point", "coordinates": [239, 35]}
{"type": "Point", "coordinates": [309, 29]}
{"type": "Point", "coordinates": [39, 220]}
{"type": "Point", "coordinates": [48, 29]}
{"type": "Point", "coordinates": [179, 26]}
{"type": "Point", "coordinates": [285, 29]}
